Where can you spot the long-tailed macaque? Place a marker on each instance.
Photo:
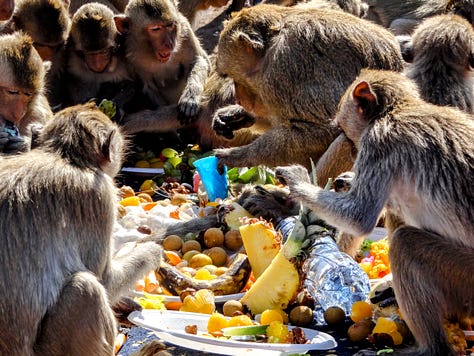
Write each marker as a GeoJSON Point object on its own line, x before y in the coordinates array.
{"type": "Point", "coordinates": [57, 210]}
{"type": "Point", "coordinates": [95, 56]}
{"type": "Point", "coordinates": [416, 160]}
{"type": "Point", "coordinates": [47, 22]}
{"type": "Point", "coordinates": [290, 67]}
{"type": "Point", "coordinates": [441, 56]}
{"type": "Point", "coordinates": [401, 17]}
{"type": "Point", "coordinates": [165, 55]}
{"type": "Point", "coordinates": [191, 8]}
{"type": "Point", "coordinates": [22, 100]}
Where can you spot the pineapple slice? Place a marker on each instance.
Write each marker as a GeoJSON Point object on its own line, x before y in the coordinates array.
{"type": "Point", "coordinates": [262, 243]}
{"type": "Point", "coordinates": [280, 281]}
{"type": "Point", "coordinates": [275, 287]}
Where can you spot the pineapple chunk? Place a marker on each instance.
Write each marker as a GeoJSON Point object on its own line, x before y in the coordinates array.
{"type": "Point", "coordinates": [234, 216]}
{"type": "Point", "coordinates": [275, 288]}
{"type": "Point", "coordinates": [262, 243]}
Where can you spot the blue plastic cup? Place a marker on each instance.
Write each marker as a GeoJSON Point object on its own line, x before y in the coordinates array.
{"type": "Point", "coordinates": [215, 184]}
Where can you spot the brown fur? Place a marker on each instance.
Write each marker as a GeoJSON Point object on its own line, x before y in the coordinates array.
{"type": "Point", "coordinates": [416, 160]}
{"type": "Point", "coordinates": [442, 51]}
{"type": "Point", "coordinates": [64, 189]}
{"type": "Point", "coordinates": [263, 49]}
{"type": "Point", "coordinates": [179, 80]}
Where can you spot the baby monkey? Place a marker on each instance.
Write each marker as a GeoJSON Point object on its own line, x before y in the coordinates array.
{"type": "Point", "coordinates": [416, 160]}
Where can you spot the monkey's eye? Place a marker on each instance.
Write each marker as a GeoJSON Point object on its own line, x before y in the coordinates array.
{"type": "Point", "coordinates": [170, 25]}
{"type": "Point", "coordinates": [155, 28]}
{"type": "Point", "coordinates": [13, 92]}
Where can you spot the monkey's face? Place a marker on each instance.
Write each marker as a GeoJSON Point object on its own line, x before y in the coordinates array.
{"type": "Point", "coordinates": [162, 37]}
{"type": "Point", "coordinates": [14, 103]}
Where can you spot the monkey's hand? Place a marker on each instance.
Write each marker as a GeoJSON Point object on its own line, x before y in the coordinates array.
{"type": "Point", "coordinates": [3, 140]}
{"type": "Point", "coordinates": [230, 118]}
{"type": "Point", "coordinates": [292, 175]}
{"type": "Point", "coordinates": [16, 144]}
{"type": "Point", "coordinates": [297, 179]}
{"type": "Point", "coordinates": [188, 108]}
{"type": "Point", "coordinates": [270, 202]}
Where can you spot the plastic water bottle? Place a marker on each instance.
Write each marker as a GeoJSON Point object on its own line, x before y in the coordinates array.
{"type": "Point", "coordinates": [332, 277]}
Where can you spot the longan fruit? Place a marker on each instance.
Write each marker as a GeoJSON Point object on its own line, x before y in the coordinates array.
{"type": "Point", "coordinates": [301, 315]}
{"type": "Point", "coordinates": [334, 316]}
{"type": "Point", "coordinates": [233, 240]}
{"type": "Point", "coordinates": [191, 245]}
{"type": "Point", "coordinates": [213, 237]}
{"type": "Point", "coordinates": [218, 256]}
{"type": "Point", "coordinates": [231, 306]}
{"type": "Point", "coordinates": [172, 243]}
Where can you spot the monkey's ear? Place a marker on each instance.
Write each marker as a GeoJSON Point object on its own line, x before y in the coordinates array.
{"type": "Point", "coordinates": [105, 149]}
{"type": "Point", "coordinates": [364, 97]}
{"type": "Point", "coordinates": [406, 47]}
{"type": "Point", "coordinates": [122, 23]}
{"type": "Point", "coordinates": [253, 43]}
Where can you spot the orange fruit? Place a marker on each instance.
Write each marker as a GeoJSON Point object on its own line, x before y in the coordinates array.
{"type": "Point", "coordinates": [217, 322]}
{"type": "Point", "coordinates": [360, 310]}
{"type": "Point", "coordinates": [240, 320]}
{"type": "Point", "coordinates": [270, 315]}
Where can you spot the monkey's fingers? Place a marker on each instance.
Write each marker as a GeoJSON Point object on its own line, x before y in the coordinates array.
{"type": "Point", "coordinates": [187, 111]}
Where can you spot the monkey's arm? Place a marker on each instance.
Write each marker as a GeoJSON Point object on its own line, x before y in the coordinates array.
{"type": "Point", "coordinates": [337, 159]}
{"type": "Point", "coordinates": [355, 212]}
{"type": "Point", "coordinates": [163, 119]}
{"type": "Point", "coordinates": [188, 104]}
{"type": "Point", "coordinates": [281, 145]}
{"type": "Point", "coordinates": [120, 276]}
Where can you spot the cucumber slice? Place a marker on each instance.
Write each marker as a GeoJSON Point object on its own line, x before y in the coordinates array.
{"type": "Point", "coordinates": [245, 330]}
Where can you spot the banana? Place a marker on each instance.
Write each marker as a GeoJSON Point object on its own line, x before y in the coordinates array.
{"type": "Point", "coordinates": [229, 283]}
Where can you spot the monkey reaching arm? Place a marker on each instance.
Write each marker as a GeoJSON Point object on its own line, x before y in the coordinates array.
{"type": "Point", "coordinates": [416, 160]}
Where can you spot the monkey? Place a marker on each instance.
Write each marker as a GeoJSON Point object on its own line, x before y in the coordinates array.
{"type": "Point", "coordinates": [76, 4]}
{"type": "Point", "coordinates": [165, 54]}
{"type": "Point", "coordinates": [191, 8]}
{"type": "Point", "coordinates": [263, 49]}
{"type": "Point", "coordinates": [64, 188]}
{"type": "Point", "coordinates": [401, 17]}
{"type": "Point", "coordinates": [463, 8]}
{"type": "Point", "coordinates": [441, 56]}
{"type": "Point", "coordinates": [96, 57]}
{"type": "Point", "coordinates": [22, 100]}
{"type": "Point", "coordinates": [416, 160]}
{"type": "Point", "coordinates": [355, 7]}
{"type": "Point", "coordinates": [47, 22]}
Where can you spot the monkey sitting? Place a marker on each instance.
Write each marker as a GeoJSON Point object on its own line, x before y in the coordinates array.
{"type": "Point", "coordinates": [57, 210]}
{"type": "Point", "coordinates": [416, 160]}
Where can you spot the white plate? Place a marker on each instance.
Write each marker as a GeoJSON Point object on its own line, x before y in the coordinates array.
{"type": "Point", "coordinates": [170, 326]}
{"type": "Point", "coordinates": [176, 298]}
{"type": "Point", "coordinates": [143, 170]}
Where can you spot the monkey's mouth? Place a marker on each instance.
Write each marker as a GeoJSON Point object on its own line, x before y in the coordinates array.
{"type": "Point", "coordinates": [163, 57]}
